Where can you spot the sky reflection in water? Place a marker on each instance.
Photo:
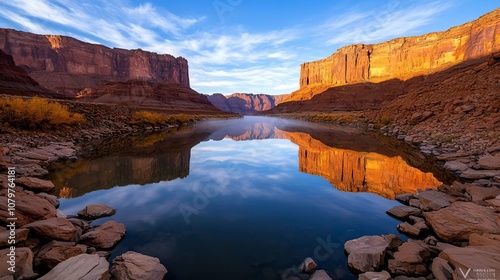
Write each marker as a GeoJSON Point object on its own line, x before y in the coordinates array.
{"type": "Point", "coordinates": [245, 211]}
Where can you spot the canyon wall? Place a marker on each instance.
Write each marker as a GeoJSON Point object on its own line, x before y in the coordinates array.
{"type": "Point", "coordinates": [401, 58]}
{"type": "Point", "coordinates": [14, 80]}
{"type": "Point", "coordinates": [245, 103]}
{"type": "Point", "coordinates": [67, 65]}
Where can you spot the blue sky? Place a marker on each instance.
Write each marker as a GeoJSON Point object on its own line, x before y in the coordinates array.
{"type": "Point", "coordinates": [239, 45]}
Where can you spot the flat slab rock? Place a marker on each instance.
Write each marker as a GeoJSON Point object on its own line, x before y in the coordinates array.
{"type": "Point", "coordinates": [36, 184]}
{"type": "Point", "coordinates": [95, 211]}
{"type": "Point", "coordinates": [482, 193]}
{"type": "Point", "coordinates": [483, 257]}
{"type": "Point", "coordinates": [403, 211]}
{"type": "Point", "coordinates": [136, 266]}
{"type": "Point", "coordinates": [434, 200]}
{"type": "Point", "coordinates": [81, 267]}
{"type": "Point", "coordinates": [29, 208]}
{"type": "Point", "coordinates": [382, 275]}
{"type": "Point", "coordinates": [479, 174]}
{"type": "Point", "coordinates": [461, 219]}
{"type": "Point", "coordinates": [489, 162]}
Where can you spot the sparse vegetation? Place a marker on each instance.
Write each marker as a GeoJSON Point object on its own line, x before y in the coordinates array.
{"type": "Point", "coordinates": [385, 119]}
{"type": "Point", "coordinates": [148, 118]}
{"type": "Point", "coordinates": [36, 113]}
{"type": "Point", "coordinates": [144, 118]}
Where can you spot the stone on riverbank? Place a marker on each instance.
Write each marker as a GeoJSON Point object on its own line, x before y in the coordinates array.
{"type": "Point", "coordinates": [136, 266]}
{"type": "Point", "coordinates": [408, 229]}
{"type": "Point", "coordinates": [441, 269]}
{"type": "Point", "coordinates": [434, 200]}
{"type": "Point", "coordinates": [472, 257]}
{"type": "Point", "coordinates": [382, 275]}
{"type": "Point", "coordinates": [29, 207]}
{"type": "Point", "coordinates": [479, 174]}
{"type": "Point", "coordinates": [24, 263]}
{"type": "Point", "coordinates": [481, 193]}
{"type": "Point", "coordinates": [95, 211]}
{"type": "Point", "coordinates": [404, 198]}
{"type": "Point", "coordinates": [410, 259]}
{"type": "Point", "coordinates": [458, 221]}
{"type": "Point", "coordinates": [320, 275]}
{"type": "Point", "coordinates": [489, 162]}
{"type": "Point", "coordinates": [21, 235]}
{"type": "Point", "coordinates": [455, 165]}
{"type": "Point", "coordinates": [53, 229]}
{"type": "Point", "coordinates": [105, 236]}
{"type": "Point", "coordinates": [81, 267]}
{"type": "Point", "coordinates": [367, 253]}
{"type": "Point", "coordinates": [308, 266]}
{"type": "Point", "coordinates": [403, 211]}
{"type": "Point", "coordinates": [35, 184]}
{"type": "Point", "coordinates": [484, 239]}
{"type": "Point", "coordinates": [55, 252]}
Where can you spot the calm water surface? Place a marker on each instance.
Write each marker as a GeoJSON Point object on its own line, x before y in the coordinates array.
{"type": "Point", "coordinates": [246, 198]}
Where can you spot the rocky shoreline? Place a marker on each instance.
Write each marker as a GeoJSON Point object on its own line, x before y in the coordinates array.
{"type": "Point", "coordinates": [47, 242]}
{"type": "Point", "coordinates": [451, 229]}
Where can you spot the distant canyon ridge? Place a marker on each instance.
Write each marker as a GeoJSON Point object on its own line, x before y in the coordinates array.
{"type": "Point", "coordinates": [246, 103]}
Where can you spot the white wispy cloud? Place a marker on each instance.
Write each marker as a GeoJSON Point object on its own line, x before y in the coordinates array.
{"type": "Point", "coordinates": [384, 23]}
{"type": "Point", "coordinates": [221, 59]}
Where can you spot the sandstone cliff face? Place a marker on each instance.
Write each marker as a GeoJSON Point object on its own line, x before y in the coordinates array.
{"type": "Point", "coordinates": [245, 103]}
{"type": "Point", "coordinates": [401, 58]}
{"type": "Point", "coordinates": [67, 65]}
{"type": "Point", "coordinates": [14, 80]}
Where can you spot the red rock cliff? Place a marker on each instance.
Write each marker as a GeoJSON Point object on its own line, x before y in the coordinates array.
{"type": "Point", "coordinates": [402, 58]}
{"type": "Point", "coordinates": [67, 65]}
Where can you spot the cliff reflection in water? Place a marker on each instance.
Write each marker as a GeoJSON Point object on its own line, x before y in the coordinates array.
{"type": "Point", "coordinates": [349, 160]}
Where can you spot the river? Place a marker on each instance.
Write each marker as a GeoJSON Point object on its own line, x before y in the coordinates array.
{"type": "Point", "coordinates": [247, 198]}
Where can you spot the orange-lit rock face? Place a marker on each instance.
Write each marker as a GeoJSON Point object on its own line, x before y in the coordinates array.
{"type": "Point", "coordinates": [355, 171]}
{"type": "Point", "coordinates": [403, 58]}
{"type": "Point", "coordinates": [67, 65]}
{"type": "Point", "coordinates": [245, 103]}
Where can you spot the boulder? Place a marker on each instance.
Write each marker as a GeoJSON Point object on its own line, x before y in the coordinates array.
{"type": "Point", "coordinates": [95, 211]}
{"type": "Point", "coordinates": [136, 266]}
{"type": "Point", "coordinates": [382, 275]}
{"type": "Point", "coordinates": [54, 252]}
{"type": "Point", "coordinates": [457, 189]}
{"type": "Point", "coordinates": [52, 199]}
{"type": "Point", "coordinates": [320, 275]}
{"type": "Point", "coordinates": [489, 162]}
{"type": "Point", "coordinates": [455, 165]}
{"type": "Point", "coordinates": [24, 263]}
{"type": "Point", "coordinates": [21, 235]}
{"type": "Point", "coordinates": [35, 184]}
{"type": "Point", "coordinates": [441, 269]}
{"type": "Point", "coordinates": [408, 229]}
{"type": "Point", "coordinates": [481, 193]}
{"type": "Point", "coordinates": [53, 229]}
{"type": "Point", "coordinates": [484, 239]}
{"type": "Point", "coordinates": [403, 211]}
{"type": "Point", "coordinates": [458, 221]}
{"type": "Point", "coordinates": [483, 257]}
{"type": "Point", "coordinates": [308, 266]}
{"type": "Point", "coordinates": [410, 259]}
{"type": "Point", "coordinates": [495, 203]}
{"type": "Point", "coordinates": [404, 198]}
{"type": "Point", "coordinates": [479, 174]}
{"type": "Point", "coordinates": [367, 253]}
{"type": "Point", "coordinates": [81, 267]}
{"type": "Point", "coordinates": [419, 223]}
{"type": "Point", "coordinates": [29, 208]}
{"type": "Point", "coordinates": [105, 236]}
{"type": "Point", "coordinates": [434, 200]}
{"type": "Point", "coordinates": [414, 202]}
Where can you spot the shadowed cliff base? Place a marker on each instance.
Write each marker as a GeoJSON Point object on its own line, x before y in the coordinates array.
{"type": "Point", "coordinates": [369, 96]}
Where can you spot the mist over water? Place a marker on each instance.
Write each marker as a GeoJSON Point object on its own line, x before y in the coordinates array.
{"type": "Point", "coordinates": [246, 198]}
